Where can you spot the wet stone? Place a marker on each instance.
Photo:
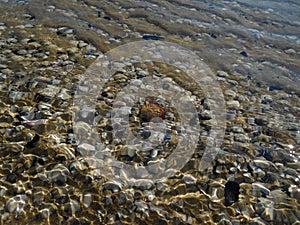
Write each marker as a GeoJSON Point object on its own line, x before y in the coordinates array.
{"type": "Point", "coordinates": [11, 177]}
{"type": "Point", "coordinates": [266, 153]}
{"type": "Point", "coordinates": [59, 174]}
{"type": "Point", "coordinates": [17, 204]}
{"type": "Point", "coordinates": [60, 194]}
{"type": "Point", "coordinates": [290, 51]}
{"type": "Point", "coordinates": [17, 95]}
{"type": "Point", "coordinates": [47, 93]}
{"type": "Point", "coordinates": [3, 66]}
{"type": "Point", "coordinates": [266, 99]}
{"type": "Point", "coordinates": [143, 184]}
{"type": "Point", "coordinates": [152, 37]}
{"type": "Point", "coordinates": [230, 93]}
{"type": "Point", "coordinates": [111, 186]}
{"type": "Point", "coordinates": [65, 31]}
{"type": "Point", "coordinates": [243, 53]}
{"type": "Point", "coordinates": [294, 191]}
{"type": "Point", "coordinates": [72, 207]}
{"type": "Point", "coordinates": [189, 179]}
{"type": "Point", "coordinates": [260, 190]}
{"type": "Point", "coordinates": [212, 35]}
{"type": "Point", "coordinates": [5, 216]}
{"type": "Point", "coordinates": [241, 138]}
{"type": "Point", "coordinates": [231, 192]}
{"type": "Point", "coordinates": [3, 190]}
{"type": "Point", "coordinates": [11, 40]}
{"type": "Point", "coordinates": [233, 104]}
{"type": "Point", "coordinates": [39, 196]}
{"type": "Point", "coordinates": [76, 166]}
{"type": "Point", "coordinates": [265, 208]}
{"type": "Point", "coordinates": [221, 73]}
{"type": "Point", "coordinates": [45, 213]}
{"type": "Point", "coordinates": [257, 221]}
{"type": "Point", "coordinates": [87, 200]}
{"type": "Point", "coordinates": [261, 121]}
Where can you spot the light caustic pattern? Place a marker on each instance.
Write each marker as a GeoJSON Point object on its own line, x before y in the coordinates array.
{"type": "Point", "coordinates": [96, 76]}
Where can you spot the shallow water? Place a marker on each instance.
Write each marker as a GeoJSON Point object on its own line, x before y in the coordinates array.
{"type": "Point", "coordinates": [263, 30]}
{"type": "Point", "coordinates": [251, 46]}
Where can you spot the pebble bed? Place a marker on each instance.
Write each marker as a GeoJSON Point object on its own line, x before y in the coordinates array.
{"type": "Point", "coordinates": [45, 49]}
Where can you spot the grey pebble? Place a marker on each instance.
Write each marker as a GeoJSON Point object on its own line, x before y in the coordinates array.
{"type": "Point", "coordinates": [17, 204]}
{"type": "Point", "coordinates": [221, 73]}
{"type": "Point", "coordinates": [11, 40]}
{"type": "Point", "coordinates": [59, 174]}
{"type": "Point", "coordinates": [72, 207]}
{"type": "Point", "coordinates": [112, 186]}
{"type": "Point", "coordinates": [87, 199]}
{"type": "Point", "coordinates": [290, 51]}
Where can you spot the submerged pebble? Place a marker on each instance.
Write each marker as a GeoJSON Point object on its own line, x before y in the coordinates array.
{"type": "Point", "coordinates": [231, 192]}
{"type": "Point", "coordinates": [17, 204]}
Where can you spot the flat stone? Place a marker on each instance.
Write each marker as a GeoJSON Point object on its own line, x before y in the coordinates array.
{"type": "Point", "coordinates": [261, 121]}
{"type": "Point", "coordinates": [221, 73]}
{"type": "Point", "coordinates": [290, 51]}
{"type": "Point", "coordinates": [189, 179]}
{"type": "Point", "coordinates": [15, 95]}
{"type": "Point", "coordinates": [72, 207]}
{"type": "Point", "coordinates": [11, 40]}
{"type": "Point", "coordinates": [87, 200]}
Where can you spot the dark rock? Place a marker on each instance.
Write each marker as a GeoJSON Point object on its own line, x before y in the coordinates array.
{"type": "Point", "coordinates": [152, 37]}
{"type": "Point", "coordinates": [60, 195]}
{"type": "Point", "coordinates": [243, 53]}
{"type": "Point", "coordinates": [261, 121]}
{"type": "Point", "coordinates": [266, 153]}
{"type": "Point", "coordinates": [107, 17]}
{"type": "Point", "coordinates": [293, 128]}
{"type": "Point", "coordinates": [146, 134]}
{"type": "Point", "coordinates": [231, 192]}
{"type": "Point", "coordinates": [213, 35]}
{"type": "Point", "coordinates": [104, 94]}
{"type": "Point", "coordinates": [12, 178]}
{"type": "Point", "coordinates": [33, 142]}
{"type": "Point", "coordinates": [167, 138]}
{"type": "Point", "coordinates": [274, 88]}
{"type": "Point", "coordinates": [90, 53]}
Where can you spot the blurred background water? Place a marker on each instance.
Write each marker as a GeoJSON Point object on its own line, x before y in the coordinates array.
{"type": "Point", "coordinates": [268, 31]}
